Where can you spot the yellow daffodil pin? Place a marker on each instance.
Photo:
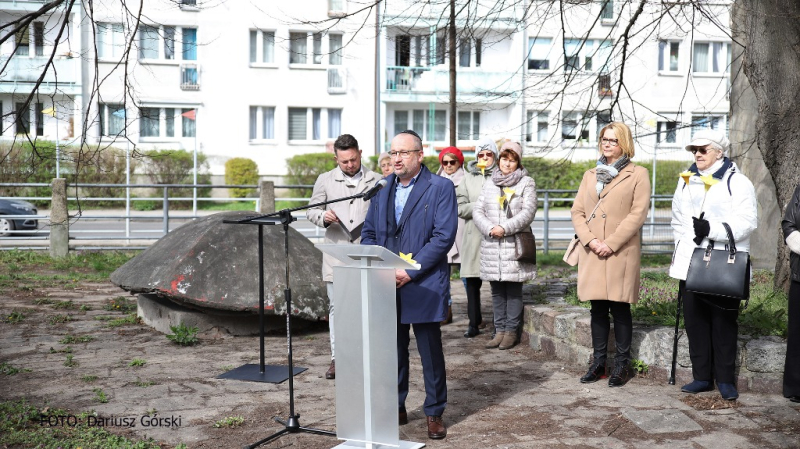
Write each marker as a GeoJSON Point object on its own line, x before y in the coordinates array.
{"type": "Point", "coordinates": [709, 181]}
{"type": "Point", "coordinates": [407, 258]}
{"type": "Point", "coordinates": [482, 164]}
{"type": "Point", "coordinates": [686, 176]}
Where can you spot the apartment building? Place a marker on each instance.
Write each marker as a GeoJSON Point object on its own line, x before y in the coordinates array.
{"type": "Point", "coordinates": [267, 82]}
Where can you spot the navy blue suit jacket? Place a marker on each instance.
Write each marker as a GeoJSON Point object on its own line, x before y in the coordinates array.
{"type": "Point", "coordinates": [427, 230]}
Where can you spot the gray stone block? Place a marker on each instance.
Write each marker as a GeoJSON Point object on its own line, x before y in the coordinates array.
{"type": "Point", "coordinates": [661, 421]}
{"type": "Point", "coordinates": [765, 355]}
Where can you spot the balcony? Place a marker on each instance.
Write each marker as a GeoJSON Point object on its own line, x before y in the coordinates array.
{"type": "Point", "coordinates": [604, 86]}
{"type": "Point", "coordinates": [189, 77]}
{"type": "Point", "coordinates": [436, 80]}
{"type": "Point", "coordinates": [23, 71]}
{"type": "Point", "coordinates": [337, 80]}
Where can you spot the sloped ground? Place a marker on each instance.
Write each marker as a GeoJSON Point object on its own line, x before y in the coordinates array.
{"type": "Point", "coordinates": [506, 399]}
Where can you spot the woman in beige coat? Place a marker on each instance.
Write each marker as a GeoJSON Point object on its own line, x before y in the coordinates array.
{"type": "Point", "coordinates": [609, 209]}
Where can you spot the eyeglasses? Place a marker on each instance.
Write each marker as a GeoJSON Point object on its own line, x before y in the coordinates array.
{"type": "Point", "coordinates": [486, 155]}
{"type": "Point", "coordinates": [405, 154]}
{"type": "Point", "coordinates": [612, 142]}
{"type": "Point", "coordinates": [702, 150]}
{"type": "Point", "coordinates": [453, 162]}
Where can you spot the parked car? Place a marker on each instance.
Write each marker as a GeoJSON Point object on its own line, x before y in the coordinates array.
{"type": "Point", "coordinates": [16, 207]}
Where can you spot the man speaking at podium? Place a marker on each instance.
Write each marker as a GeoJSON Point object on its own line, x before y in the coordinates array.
{"type": "Point", "coordinates": [342, 221]}
{"type": "Point", "coordinates": [416, 214]}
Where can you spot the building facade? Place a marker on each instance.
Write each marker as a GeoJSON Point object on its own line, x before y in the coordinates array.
{"type": "Point", "coordinates": [238, 79]}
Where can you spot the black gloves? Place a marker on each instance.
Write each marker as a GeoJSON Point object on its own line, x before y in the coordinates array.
{"type": "Point", "coordinates": [701, 228]}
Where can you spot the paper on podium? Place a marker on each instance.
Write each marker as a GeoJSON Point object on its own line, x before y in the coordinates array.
{"type": "Point", "coordinates": [374, 255]}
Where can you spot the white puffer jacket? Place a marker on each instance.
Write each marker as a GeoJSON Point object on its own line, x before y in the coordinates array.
{"type": "Point", "coordinates": [497, 255]}
{"type": "Point", "coordinates": [736, 207]}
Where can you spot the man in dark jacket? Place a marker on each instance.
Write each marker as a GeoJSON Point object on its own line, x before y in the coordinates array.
{"type": "Point", "coordinates": [791, 232]}
{"type": "Point", "coordinates": [416, 214]}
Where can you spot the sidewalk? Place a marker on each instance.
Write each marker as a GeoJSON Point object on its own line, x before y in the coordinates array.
{"type": "Point", "coordinates": [519, 398]}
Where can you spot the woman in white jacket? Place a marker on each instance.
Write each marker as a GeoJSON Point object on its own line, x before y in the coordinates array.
{"type": "Point", "coordinates": [711, 325]}
{"type": "Point", "coordinates": [506, 206]}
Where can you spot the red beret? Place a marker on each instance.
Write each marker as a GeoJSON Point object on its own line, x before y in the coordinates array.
{"type": "Point", "coordinates": [456, 152]}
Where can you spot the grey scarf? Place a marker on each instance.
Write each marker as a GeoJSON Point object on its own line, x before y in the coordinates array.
{"type": "Point", "coordinates": [511, 179]}
{"type": "Point", "coordinates": [606, 173]}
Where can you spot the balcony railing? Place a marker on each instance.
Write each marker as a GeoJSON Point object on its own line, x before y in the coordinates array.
{"type": "Point", "coordinates": [437, 79]}
{"type": "Point", "coordinates": [26, 69]}
{"type": "Point", "coordinates": [337, 80]}
{"type": "Point", "coordinates": [189, 77]}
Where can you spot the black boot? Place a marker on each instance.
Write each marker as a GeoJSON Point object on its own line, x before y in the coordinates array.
{"type": "Point", "coordinates": [597, 370]}
{"type": "Point", "coordinates": [621, 375]}
{"type": "Point", "coordinates": [471, 332]}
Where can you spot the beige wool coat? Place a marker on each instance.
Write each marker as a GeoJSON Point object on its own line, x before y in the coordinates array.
{"type": "Point", "coordinates": [467, 194]}
{"type": "Point", "coordinates": [617, 222]}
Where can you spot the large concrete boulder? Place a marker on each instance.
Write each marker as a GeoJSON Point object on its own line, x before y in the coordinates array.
{"type": "Point", "coordinates": [207, 264]}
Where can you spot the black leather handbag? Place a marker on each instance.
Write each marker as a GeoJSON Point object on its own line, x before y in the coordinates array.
{"type": "Point", "coordinates": [722, 273]}
{"type": "Point", "coordinates": [525, 246]}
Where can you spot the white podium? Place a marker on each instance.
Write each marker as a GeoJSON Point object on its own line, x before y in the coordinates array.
{"type": "Point", "coordinates": [364, 299]}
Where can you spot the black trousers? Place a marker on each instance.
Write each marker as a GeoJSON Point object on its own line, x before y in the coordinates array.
{"type": "Point", "coordinates": [473, 288]}
{"type": "Point", "coordinates": [791, 370]}
{"type": "Point", "coordinates": [601, 327]}
{"type": "Point", "coordinates": [713, 335]}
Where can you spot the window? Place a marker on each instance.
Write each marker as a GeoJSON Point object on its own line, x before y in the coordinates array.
{"type": "Point", "coordinates": [468, 126]}
{"type": "Point", "coordinates": [574, 125]}
{"type": "Point", "coordinates": [607, 10]}
{"type": "Point", "coordinates": [316, 39]}
{"type": "Point", "coordinates": [22, 118]}
{"type": "Point", "coordinates": [335, 44]}
{"type": "Point", "coordinates": [666, 132]}
{"type": "Point", "coordinates": [603, 118]}
{"type": "Point", "coordinates": [537, 129]}
{"type": "Point", "coordinates": [711, 57]}
{"type": "Point", "coordinates": [169, 42]}
{"type": "Point", "coordinates": [441, 47]}
{"type": "Point", "coordinates": [189, 44]}
{"type": "Point", "coordinates": [262, 46]}
{"type": "Point", "coordinates": [478, 51]}
{"type": "Point", "coordinates": [188, 122]}
{"type": "Point", "coordinates": [169, 118]}
{"type": "Point", "coordinates": [298, 48]}
{"type": "Point", "coordinates": [336, 6]}
{"type": "Point", "coordinates": [298, 129]}
{"type": "Point", "coordinates": [429, 124]}
{"type": "Point", "coordinates": [39, 119]}
{"type": "Point", "coordinates": [38, 38]}
{"type": "Point", "coordinates": [112, 119]}
{"type": "Point", "coordinates": [465, 50]}
{"type": "Point", "coordinates": [334, 123]}
{"type": "Point", "coordinates": [668, 52]}
{"type": "Point", "coordinates": [401, 121]}
{"type": "Point", "coordinates": [110, 40]}
{"type": "Point", "coordinates": [716, 122]}
{"type": "Point", "coordinates": [316, 118]}
{"type": "Point", "coordinates": [149, 123]}
{"type": "Point", "coordinates": [159, 42]}
{"type": "Point", "coordinates": [589, 55]}
{"type": "Point", "coordinates": [148, 42]}
{"type": "Point", "coordinates": [402, 51]}
{"type": "Point", "coordinates": [539, 53]}
{"type": "Point", "coordinates": [22, 40]}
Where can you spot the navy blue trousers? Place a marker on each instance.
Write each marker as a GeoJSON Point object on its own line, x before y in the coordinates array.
{"type": "Point", "coordinates": [429, 345]}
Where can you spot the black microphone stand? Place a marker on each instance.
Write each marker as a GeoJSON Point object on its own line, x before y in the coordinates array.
{"type": "Point", "coordinates": [284, 217]}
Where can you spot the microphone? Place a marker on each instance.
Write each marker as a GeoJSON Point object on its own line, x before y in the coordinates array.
{"type": "Point", "coordinates": [374, 190]}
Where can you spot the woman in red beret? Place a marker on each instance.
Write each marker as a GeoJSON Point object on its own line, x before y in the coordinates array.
{"type": "Point", "coordinates": [452, 160]}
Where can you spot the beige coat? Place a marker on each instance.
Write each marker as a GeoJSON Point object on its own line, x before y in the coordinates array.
{"type": "Point", "coordinates": [330, 186]}
{"type": "Point", "coordinates": [617, 222]}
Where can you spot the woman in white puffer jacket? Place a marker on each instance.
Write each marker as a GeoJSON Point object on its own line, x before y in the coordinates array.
{"type": "Point", "coordinates": [506, 206]}
{"type": "Point", "coordinates": [711, 327]}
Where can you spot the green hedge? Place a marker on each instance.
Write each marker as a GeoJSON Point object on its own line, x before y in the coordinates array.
{"type": "Point", "coordinates": [241, 171]}
{"type": "Point", "coordinates": [176, 167]}
{"type": "Point", "coordinates": [304, 169]}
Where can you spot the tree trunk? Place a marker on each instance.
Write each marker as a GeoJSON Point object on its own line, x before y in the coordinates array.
{"type": "Point", "coordinates": [451, 38]}
{"type": "Point", "coordinates": [770, 30]}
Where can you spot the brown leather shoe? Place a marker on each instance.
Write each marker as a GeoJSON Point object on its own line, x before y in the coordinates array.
{"type": "Point", "coordinates": [402, 417]}
{"type": "Point", "coordinates": [331, 373]}
{"type": "Point", "coordinates": [436, 428]}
